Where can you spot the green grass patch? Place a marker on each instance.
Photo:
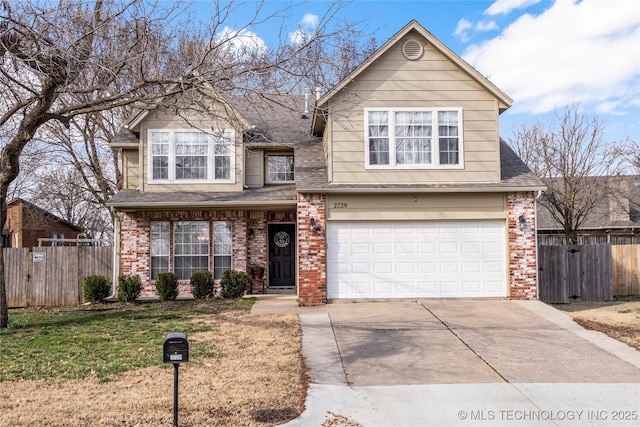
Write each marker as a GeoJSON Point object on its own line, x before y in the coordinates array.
{"type": "Point", "coordinates": [101, 340]}
{"type": "Point", "coordinates": [245, 303]}
{"type": "Point", "coordinates": [630, 298]}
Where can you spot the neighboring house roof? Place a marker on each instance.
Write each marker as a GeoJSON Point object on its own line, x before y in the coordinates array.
{"type": "Point", "coordinates": [43, 212]}
{"type": "Point", "coordinates": [619, 210]}
{"type": "Point", "coordinates": [505, 101]}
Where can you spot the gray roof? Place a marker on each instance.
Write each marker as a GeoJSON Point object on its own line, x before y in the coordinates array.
{"type": "Point", "coordinates": [278, 119]}
{"type": "Point", "coordinates": [622, 200]}
{"type": "Point", "coordinates": [258, 198]}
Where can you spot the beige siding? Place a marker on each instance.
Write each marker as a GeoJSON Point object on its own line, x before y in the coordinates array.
{"type": "Point", "coordinates": [461, 206]}
{"type": "Point", "coordinates": [162, 119]}
{"type": "Point", "coordinates": [132, 169]}
{"type": "Point", "coordinates": [430, 82]}
{"type": "Point", "coordinates": [254, 164]}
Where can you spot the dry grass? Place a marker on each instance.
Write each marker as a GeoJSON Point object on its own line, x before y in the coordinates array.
{"type": "Point", "coordinates": [257, 378]}
{"type": "Point", "coordinates": [618, 319]}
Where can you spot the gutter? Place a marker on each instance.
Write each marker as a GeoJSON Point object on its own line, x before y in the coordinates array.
{"type": "Point", "coordinates": [487, 189]}
{"type": "Point", "coordinates": [205, 204]}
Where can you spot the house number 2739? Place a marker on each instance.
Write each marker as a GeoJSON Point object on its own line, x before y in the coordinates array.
{"type": "Point", "coordinates": [339, 205]}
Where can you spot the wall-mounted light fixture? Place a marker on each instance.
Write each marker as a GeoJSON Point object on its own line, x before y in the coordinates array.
{"type": "Point", "coordinates": [312, 225]}
{"type": "Point", "coordinates": [521, 222]}
{"type": "Point", "coordinates": [251, 233]}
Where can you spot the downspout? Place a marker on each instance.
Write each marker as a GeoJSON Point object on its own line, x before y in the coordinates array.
{"type": "Point", "coordinates": [244, 167]}
{"type": "Point", "coordinates": [116, 255]}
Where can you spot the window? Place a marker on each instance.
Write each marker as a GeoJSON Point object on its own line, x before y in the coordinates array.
{"type": "Point", "coordinates": [222, 248]}
{"type": "Point", "coordinates": [191, 156]}
{"type": "Point", "coordinates": [159, 248]}
{"type": "Point", "coordinates": [413, 138]}
{"type": "Point", "coordinates": [280, 168]}
{"type": "Point", "coordinates": [190, 248]}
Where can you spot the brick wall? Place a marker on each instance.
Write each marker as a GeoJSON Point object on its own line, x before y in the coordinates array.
{"type": "Point", "coordinates": [312, 254]}
{"type": "Point", "coordinates": [246, 249]}
{"type": "Point", "coordinates": [522, 246]}
{"type": "Point", "coordinates": [134, 249]}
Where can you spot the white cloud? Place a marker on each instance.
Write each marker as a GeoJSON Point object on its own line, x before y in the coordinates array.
{"type": "Point", "coordinates": [486, 26]}
{"type": "Point", "coordinates": [465, 27]}
{"type": "Point", "coordinates": [309, 20]}
{"type": "Point", "coordinates": [306, 28]}
{"type": "Point", "coordinates": [242, 41]}
{"type": "Point", "coordinates": [503, 7]}
{"type": "Point", "coordinates": [462, 29]}
{"type": "Point", "coordinates": [572, 52]}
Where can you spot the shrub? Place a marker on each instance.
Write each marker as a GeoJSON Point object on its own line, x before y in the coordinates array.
{"type": "Point", "coordinates": [233, 283]}
{"type": "Point", "coordinates": [201, 284]}
{"type": "Point", "coordinates": [96, 288]}
{"type": "Point", "coordinates": [167, 286]}
{"type": "Point", "coordinates": [129, 288]}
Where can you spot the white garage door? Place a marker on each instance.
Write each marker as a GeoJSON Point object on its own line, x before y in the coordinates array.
{"type": "Point", "coordinates": [464, 259]}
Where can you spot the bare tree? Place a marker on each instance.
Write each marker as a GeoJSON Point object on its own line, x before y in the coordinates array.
{"type": "Point", "coordinates": [574, 161]}
{"type": "Point", "coordinates": [63, 61]}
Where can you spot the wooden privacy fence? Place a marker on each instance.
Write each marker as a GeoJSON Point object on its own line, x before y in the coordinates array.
{"type": "Point", "coordinates": [626, 272]}
{"type": "Point", "coordinates": [582, 272]}
{"type": "Point", "coordinates": [52, 276]}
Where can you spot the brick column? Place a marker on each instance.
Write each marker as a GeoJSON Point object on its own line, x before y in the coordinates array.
{"type": "Point", "coordinates": [239, 242]}
{"type": "Point", "coordinates": [521, 221]}
{"type": "Point", "coordinates": [312, 250]}
{"type": "Point", "coordinates": [134, 249]}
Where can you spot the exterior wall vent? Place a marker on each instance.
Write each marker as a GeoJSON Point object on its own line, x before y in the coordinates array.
{"type": "Point", "coordinates": [412, 49]}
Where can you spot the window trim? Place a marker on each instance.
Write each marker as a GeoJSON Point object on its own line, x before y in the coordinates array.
{"type": "Point", "coordinates": [228, 134]}
{"type": "Point", "coordinates": [435, 138]}
{"type": "Point", "coordinates": [269, 181]}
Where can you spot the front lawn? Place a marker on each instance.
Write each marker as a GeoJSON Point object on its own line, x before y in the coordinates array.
{"type": "Point", "coordinates": [99, 341]}
{"type": "Point", "coordinates": [102, 365]}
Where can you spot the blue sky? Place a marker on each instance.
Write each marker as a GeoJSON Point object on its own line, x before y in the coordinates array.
{"type": "Point", "coordinates": [544, 54]}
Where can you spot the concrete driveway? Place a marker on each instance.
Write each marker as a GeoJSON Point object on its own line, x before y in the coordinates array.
{"type": "Point", "coordinates": [460, 363]}
{"type": "Point", "coordinates": [468, 341]}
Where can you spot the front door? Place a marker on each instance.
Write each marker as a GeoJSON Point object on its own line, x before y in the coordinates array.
{"type": "Point", "coordinates": [282, 255]}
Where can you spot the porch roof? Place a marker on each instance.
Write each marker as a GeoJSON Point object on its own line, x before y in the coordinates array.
{"type": "Point", "coordinates": [268, 197]}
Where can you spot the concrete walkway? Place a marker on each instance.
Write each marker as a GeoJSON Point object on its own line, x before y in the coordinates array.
{"type": "Point", "coordinates": [459, 363]}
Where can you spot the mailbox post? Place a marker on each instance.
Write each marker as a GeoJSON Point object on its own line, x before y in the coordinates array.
{"type": "Point", "coordinates": [175, 351]}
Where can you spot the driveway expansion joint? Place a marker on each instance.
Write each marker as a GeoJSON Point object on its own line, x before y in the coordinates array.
{"type": "Point", "coordinates": [464, 342]}
{"type": "Point", "coordinates": [333, 331]}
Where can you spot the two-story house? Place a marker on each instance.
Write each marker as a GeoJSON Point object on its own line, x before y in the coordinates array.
{"type": "Point", "coordinates": [395, 185]}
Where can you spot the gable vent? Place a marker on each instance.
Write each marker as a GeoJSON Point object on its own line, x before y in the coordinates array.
{"type": "Point", "coordinates": [412, 49]}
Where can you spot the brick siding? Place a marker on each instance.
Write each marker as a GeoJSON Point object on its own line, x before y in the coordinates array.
{"type": "Point", "coordinates": [522, 246]}
{"type": "Point", "coordinates": [312, 250]}
{"type": "Point", "coordinates": [135, 256]}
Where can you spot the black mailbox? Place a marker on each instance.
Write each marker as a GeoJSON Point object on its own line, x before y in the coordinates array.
{"type": "Point", "coordinates": [176, 348]}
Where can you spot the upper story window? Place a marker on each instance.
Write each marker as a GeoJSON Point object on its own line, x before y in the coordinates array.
{"type": "Point", "coordinates": [191, 156]}
{"type": "Point", "coordinates": [414, 138]}
{"type": "Point", "coordinates": [280, 169]}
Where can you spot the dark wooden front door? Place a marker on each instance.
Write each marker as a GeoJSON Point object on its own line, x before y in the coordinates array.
{"type": "Point", "coordinates": [282, 255]}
